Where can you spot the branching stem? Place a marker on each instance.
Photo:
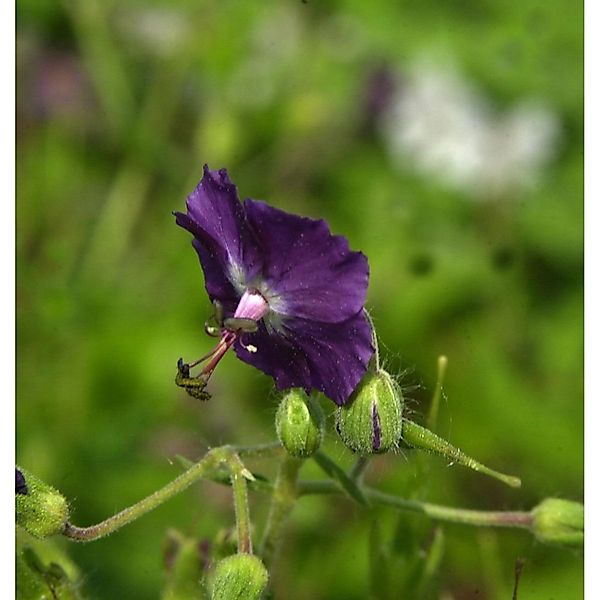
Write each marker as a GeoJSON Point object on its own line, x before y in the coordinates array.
{"type": "Point", "coordinates": [478, 518]}
{"type": "Point", "coordinates": [207, 466]}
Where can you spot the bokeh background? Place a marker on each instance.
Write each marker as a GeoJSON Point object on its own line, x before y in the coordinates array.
{"type": "Point", "coordinates": [444, 139]}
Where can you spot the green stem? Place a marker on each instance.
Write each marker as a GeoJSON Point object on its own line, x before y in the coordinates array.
{"type": "Point", "coordinates": [239, 475]}
{"type": "Point", "coordinates": [207, 465]}
{"type": "Point", "coordinates": [284, 496]}
{"type": "Point", "coordinates": [375, 359]}
{"type": "Point", "coordinates": [477, 518]}
{"type": "Point", "coordinates": [270, 449]}
{"type": "Point", "coordinates": [437, 394]}
{"type": "Point", "coordinates": [359, 468]}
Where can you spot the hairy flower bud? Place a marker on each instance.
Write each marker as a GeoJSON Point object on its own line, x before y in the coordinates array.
{"type": "Point", "coordinates": [557, 521]}
{"type": "Point", "coordinates": [299, 423]}
{"type": "Point", "coordinates": [371, 421]}
{"type": "Point", "coordinates": [239, 577]}
{"type": "Point", "coordinates": [41, 510]}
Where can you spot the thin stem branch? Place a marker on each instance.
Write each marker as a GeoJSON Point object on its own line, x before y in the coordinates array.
{"type": "Point", "coordinates": [203, 468]}
{"type": "Point", "coordinates": [239, 475]}
{"type": "Point", "coordinates": [359, 468]}
{"type": "Point", "coordinates": [374, 341]}
{"type": "Point", "coordinates": [477, 518]}
{"type": "Point", "coordinates": [284, 496]}
{"type": "Point", "coordinates": [270, 449]}
{"type": "Point", "coordinates": [434, 408]}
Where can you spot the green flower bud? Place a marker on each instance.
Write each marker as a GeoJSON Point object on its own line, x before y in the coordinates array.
{"type": "Point", "coordinates": [299, 423]}
{"type": "Point", "coordinates": [557, 521]}
{"type": "Point", "coordinates": [239, 577]}
{"type": "Point", "coordinates": [371, 421]}
{"type": "Point", "coordinates": [41, 510]}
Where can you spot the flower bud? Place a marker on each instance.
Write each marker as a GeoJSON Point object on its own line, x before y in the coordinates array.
{"type": "Point", "coordinates": [239, 577]}
{"type": "Point", "coordinates": [299, 423]}
{"type": "Point", "coordinates": [557, 521]}
{"type": "Point", "coordinates": [42, 511]}
{"type": "Point", "coordinates": [371, 421]}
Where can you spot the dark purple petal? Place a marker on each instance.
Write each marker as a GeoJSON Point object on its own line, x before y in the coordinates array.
{"type": "Point", "coordinates": [225, 244]}
{"type": "Point", "coordinates": [330, 357]}
{"type": "Point", "coordinates": [312, 273]}
{"type": "Point", "coordinates": [216, 281]}
{"type": "Point", "coordinates": [276, 356]}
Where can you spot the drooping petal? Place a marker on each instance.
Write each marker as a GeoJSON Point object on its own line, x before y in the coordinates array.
{"type": "Point", "coordinates": [216, 281]}
{"type": "Point", "coordinates": [311, 273]}
{"type": "Point", "coordinates": [224, 242]}
{"type": "Point", "coordinates": [330, 357]}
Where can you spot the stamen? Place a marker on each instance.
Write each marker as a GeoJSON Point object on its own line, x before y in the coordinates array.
{"type": "Point", "coordinates": [251, 308]}
{"type": "Point", "coordinates": [249, 347]}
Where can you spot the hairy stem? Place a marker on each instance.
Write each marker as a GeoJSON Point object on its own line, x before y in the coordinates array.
{"type": "Point", "coordinates": [206, 467]}
{"type": "Point", "coordinates": [477, 518]}
{"type": "Point", "coordinates": [268, 450]}
{"type": "Point", "coordinates": [239, 475]}
{"type": "Point", "coordinates": [284, 496]}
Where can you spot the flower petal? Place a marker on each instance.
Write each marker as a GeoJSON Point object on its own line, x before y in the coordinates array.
{"type": "Point", "coordinates": [330, 357]}
{"type": "Point", "coordinates": [225, 243]}
{"type": "Point", "coordinates": [311, 273]}
{"type": "Point", "coordinates": [276, 356]}
{"type": "Point", "coordinates": [217, 284]}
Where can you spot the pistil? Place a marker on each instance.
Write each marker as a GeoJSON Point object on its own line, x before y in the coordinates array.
{"type": "Point", "coordinates": [251, 308]}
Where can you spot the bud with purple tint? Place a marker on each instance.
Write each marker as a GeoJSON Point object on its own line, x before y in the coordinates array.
{"type": "Point", "coordinates": [371, 422]}
{"type": "Point", "coordinates": [40, 509]}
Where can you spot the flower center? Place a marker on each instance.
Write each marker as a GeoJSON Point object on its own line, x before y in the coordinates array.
{"type": "Point", "coordinates": [252, 305]}
{"type": "Point", "coordinates": [251, 308]}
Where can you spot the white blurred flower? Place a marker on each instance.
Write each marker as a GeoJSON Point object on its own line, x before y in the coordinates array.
{"type": "Point", "coordinates": [443, 126]}
{"type": "Point", "coordinates": [159, 30]}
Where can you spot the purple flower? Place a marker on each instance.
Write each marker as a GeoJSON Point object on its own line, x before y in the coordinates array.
{"type": "Point", "coordinates": [292, 293]}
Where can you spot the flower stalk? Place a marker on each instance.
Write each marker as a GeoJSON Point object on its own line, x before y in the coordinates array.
{"type": "Point", "coordinates": [211, 462]}
{"type": "Point", "coordinates": [477, 518]}
{"type": "Point", "coordinates": [284, 497]}
{"type": "Point", "coordinates": [239, 476]}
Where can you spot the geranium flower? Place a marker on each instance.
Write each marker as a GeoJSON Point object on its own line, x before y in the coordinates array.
{"type": "Point", "coordinates": [292, 294]}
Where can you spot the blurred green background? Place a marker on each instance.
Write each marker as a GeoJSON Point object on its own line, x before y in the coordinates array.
{"type": "Point", "coordinates": [444, 139]}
